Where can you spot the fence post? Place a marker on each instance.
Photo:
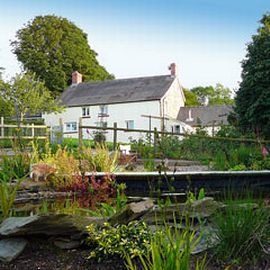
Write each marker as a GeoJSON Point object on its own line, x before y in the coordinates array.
{"type": "Point", "coordinates": [61, 124]}
{"type": "Point", "coordinates": [2, 127]}
{"type": "Point", "coordinates": [114, 135]}
{"type": "Point", "coordinates": [80, 133]}
{"type": "Point", "coordinates": [47, 134]}
{"type": "Point", "coordinates": [155, 140]}
{"type": "Point", "coordinates": [33, 130]}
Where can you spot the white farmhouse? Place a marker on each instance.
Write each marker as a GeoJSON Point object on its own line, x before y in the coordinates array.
{"type": "Point", "coordinates": [135, 103]}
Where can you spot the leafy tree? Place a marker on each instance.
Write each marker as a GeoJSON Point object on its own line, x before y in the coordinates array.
{"type": "Point", "coordinates": [253, 97]}
{"type": "Point", "coordinates": [191, 98]}
{"type": "Point", "coordinates": [26, 94]}
{"type": "Point", "coordinates": [218, 95]}
{"type": "Point", "coordinates": [221, 96]}
{"type": "Point", "coordinates": [5, 108]}
{"type": "Point", "coordinates": [1, 71]}
{"type": "Point", "coordinates": [53, 48]}
{"type": "Point", "coordinates": [203, 93]}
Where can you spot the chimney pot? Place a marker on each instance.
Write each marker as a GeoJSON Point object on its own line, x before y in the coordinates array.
{"type": "Point", "coordinates": [172, 68]}
{"type": "Point", "coordinates": [76, 77]}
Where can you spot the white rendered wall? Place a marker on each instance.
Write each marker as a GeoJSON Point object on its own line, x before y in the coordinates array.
{"type": "Point", "coordinates": [119, 113]}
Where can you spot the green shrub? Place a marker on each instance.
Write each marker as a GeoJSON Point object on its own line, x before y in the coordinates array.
{"type": "Point", "coordinates": [133, 239]}
{"type": "Point", "coordinates": [242, 230]}
{"type": "Point", "coordinates": [99, 138]}
{"type": "Point", "coordinates": [66, 167]}
{"type": "Point", "coordinates": [169, 249]}
{"type": "Point", "coordinates": [149, 164]}
{"type": "Point", "coordinates": [169, 147]}
{"type": "Point", "coordinates": [17, 166]}
{"type": "Point", "coordinates": [100, 159]}
{"type": "Point", "coordinates": [8, 193]}
{"type": "Point", "coordinates": [263, 164]}
{"type": "Point", "coordinates": [239, 167]}
{"type": "Point", "coordinates": [142, 148]}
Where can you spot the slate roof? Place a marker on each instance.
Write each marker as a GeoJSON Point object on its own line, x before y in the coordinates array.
{"type": "Point", "coordinates": [117, 91]}
{"type": "Point", "coordinates": [205, 115]}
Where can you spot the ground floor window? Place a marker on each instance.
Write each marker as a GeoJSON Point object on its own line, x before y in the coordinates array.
{"type": "Point", "coordinates": [102, 124]}
{"type": "Point", "coordinates": [130, 124]}
{"type": "Point", "coordinates": [177, 129]}
{"type": "Point", "coordinates": [71, 127]}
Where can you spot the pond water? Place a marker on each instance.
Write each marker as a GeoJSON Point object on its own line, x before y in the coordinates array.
{"type": "Point", "coordinates": [85, 205]}
{"type": "Point", "coordinates": [90, 205]}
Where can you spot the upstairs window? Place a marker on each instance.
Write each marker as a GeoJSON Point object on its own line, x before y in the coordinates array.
{"type": "Point", "coordinates": [130, 124]}
{"type": "Point", "coordinates": [85, 111]}
{"type": "Point", "coordinates": [103, 109]}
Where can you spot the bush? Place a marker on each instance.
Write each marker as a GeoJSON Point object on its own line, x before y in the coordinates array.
{"type": "Point", "coordinates": [169, 249]}
{"type": "Point", "coordinates": [67, 168]}
{"type": "Point", "coordinates": [100, 159]}
{"type": "Point", "coordinates": [7, 196]}
{"type": "Point", "coordinates": [142, 148]}
{"type": "Point", "coordinates": [16, 166]}
{"type": "Point", "coordinates": [169, 147]}
{"type": "Point", "coordinates": [242, 230]}
{"type": "Point", "coordinates": [133, 239]}
{"type": "Point", "coordinates": [100, 138]}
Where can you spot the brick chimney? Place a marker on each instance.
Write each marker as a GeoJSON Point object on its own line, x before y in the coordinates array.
{"type": "Point", "coordinates": [173, 69]}
{"type": "Point", "coordinates": [76, 77]}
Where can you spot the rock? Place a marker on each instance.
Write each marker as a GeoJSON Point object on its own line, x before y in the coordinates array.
{"type": "Point", "coordinates": [199, 209]}
{"type": "Point", "coordinates": [12, 225]}
{"type": "Point", "coordinates": [205, 207]}
{"type": "Point", "coordinates": [11, 248]}
{"type": "Point", "coordinates": [51, 224]}
{"type": "Point", "coordinates": [206, 238]}
{"type": "Point", "coordinates": [131, 212]}
{"type": "Point", "coordinates": [66, 243]}
{"type": "Point", "coordinates": [247, 206]}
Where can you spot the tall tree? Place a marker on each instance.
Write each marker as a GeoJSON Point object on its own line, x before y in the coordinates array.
{"type": "Point", "coordinates": [218, 95]}
{"type": "Point", "coordinates": [53, 48]}
{"type": "Point", "coordinates": [191, 98]}
{"type": "Point", "coordinates": [222, 96]}
{"type": "Point", "coordinates": [26, 94]}
{"type": "Point", "coordinates": [203, 93]}
{"type": "Point", "coordinates": [253, 97]}
{"type": "Point", "coordinates": [5, 108]}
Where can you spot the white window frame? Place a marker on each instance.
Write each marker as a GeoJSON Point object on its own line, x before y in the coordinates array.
{"type": "Point", "coordinates": [85, 111]}
{"type": "Point", "coordinates": [71, 126]}
{"type": "Point", "coordinates": [177, 129]}
{"type": "Point", "coordinates": [103, 109]}
{"type": "Point", "coordinates": [102, 124]}
{"type": "Point", "coordinates": [130, 124]}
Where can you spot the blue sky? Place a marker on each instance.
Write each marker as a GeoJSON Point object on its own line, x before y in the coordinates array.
{"type": "Point", "coordinates": [206, 38]}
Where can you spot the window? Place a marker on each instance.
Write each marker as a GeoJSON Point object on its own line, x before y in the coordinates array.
{"type": "Point", "coordinates": [102, 124]}
{"type": "Point", "coordinates": [177, 129]}
{"type": "Point", "coordinates": [85, 111]}
{"type": "Point", "coordinates": [103, 109]}
{"type": "Point", "coordinates": [71, 126]}
{"type": "Point", "coordinates": [130, 124]}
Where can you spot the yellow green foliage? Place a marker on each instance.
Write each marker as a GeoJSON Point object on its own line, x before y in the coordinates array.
{"type": "Point", "coordinates": [67, 167]}
{"type": "Point", "coordinates": [100, 159]}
